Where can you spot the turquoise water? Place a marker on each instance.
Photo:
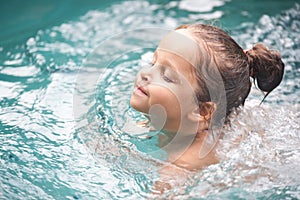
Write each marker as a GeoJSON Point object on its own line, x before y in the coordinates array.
{"type": "Point", "coordinates": [66, 128]}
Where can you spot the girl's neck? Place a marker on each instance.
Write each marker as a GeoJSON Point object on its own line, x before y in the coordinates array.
{"type": "Point", "coordinates": [178, 141]}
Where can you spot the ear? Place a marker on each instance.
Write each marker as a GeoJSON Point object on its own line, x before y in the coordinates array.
{"type": "Point", "coordinates": [203, 112]}
{"type": "Point", "coordinates": [194, 116]}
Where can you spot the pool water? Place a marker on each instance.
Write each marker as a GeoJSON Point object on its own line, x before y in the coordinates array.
{"type": "Point", "coordinates": [67, 130]}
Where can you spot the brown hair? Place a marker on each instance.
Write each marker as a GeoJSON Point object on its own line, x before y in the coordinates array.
{"type": "Point", "coordinates": [235, 65]}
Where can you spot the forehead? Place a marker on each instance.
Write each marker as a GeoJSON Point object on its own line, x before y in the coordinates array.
{"type": "Point", "coordinates": [180, 52]}
{"type": "Point", "coordinates": [181, 43]}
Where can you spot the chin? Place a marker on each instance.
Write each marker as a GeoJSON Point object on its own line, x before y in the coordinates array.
{"type": "Point", "coordinates": [135, 105]}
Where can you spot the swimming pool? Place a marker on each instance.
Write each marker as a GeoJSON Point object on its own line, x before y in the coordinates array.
{"type": "Point", "coordinates": [66, 126]}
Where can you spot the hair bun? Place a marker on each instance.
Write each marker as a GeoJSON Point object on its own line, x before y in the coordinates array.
{"type": "Point", "coordinates": [265, 66]}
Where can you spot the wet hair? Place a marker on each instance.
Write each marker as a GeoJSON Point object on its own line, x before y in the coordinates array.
{"type": "Point", "coordinates": [235, 65]}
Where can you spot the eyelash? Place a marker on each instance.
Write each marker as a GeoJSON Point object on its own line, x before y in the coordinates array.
{"type": "Point", "coordinates": [167, 79]}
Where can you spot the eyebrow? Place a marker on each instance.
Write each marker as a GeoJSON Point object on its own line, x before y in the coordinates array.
{"type": "Point", "coordinates": [163, 68]}
{"type": "Point", "coordinates": [167, 60]}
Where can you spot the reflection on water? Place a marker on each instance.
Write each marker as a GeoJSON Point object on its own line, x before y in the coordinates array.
{"type": "Point", "coordinates": [46, 153]}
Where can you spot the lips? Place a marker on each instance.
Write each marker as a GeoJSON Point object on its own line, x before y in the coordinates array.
{"type": "Point", "coordinates": [141, 91]}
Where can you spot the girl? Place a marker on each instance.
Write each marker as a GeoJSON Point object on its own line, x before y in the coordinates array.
{"type": "Point", "coordinates": [198, 75]}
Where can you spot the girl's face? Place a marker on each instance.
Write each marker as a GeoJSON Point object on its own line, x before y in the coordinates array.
{"type": "Point", "coordinates": [168, 84]}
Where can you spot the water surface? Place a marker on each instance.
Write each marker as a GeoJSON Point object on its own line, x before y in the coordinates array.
{"type": "Point", "coordinates": [65, 136]}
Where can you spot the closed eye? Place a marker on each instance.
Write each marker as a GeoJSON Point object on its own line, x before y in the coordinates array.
{"type": "Point", "coordinates": [167, 75]}
{"type": "Point", "coordinates": [167, 79]}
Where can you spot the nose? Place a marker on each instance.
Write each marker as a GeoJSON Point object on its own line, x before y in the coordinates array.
{"type": "Point", "coordinates": [145, 75]}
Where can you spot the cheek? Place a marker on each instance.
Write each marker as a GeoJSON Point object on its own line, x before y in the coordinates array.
{"type": "Point", "coordinates": [167, 99]}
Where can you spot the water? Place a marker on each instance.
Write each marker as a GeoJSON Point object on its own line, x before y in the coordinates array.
{"type": "Point", "coordinates": [67, 131]}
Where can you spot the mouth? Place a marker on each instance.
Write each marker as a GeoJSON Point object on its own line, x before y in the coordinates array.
{"type": "Point", "coordinates": [141, 91]}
